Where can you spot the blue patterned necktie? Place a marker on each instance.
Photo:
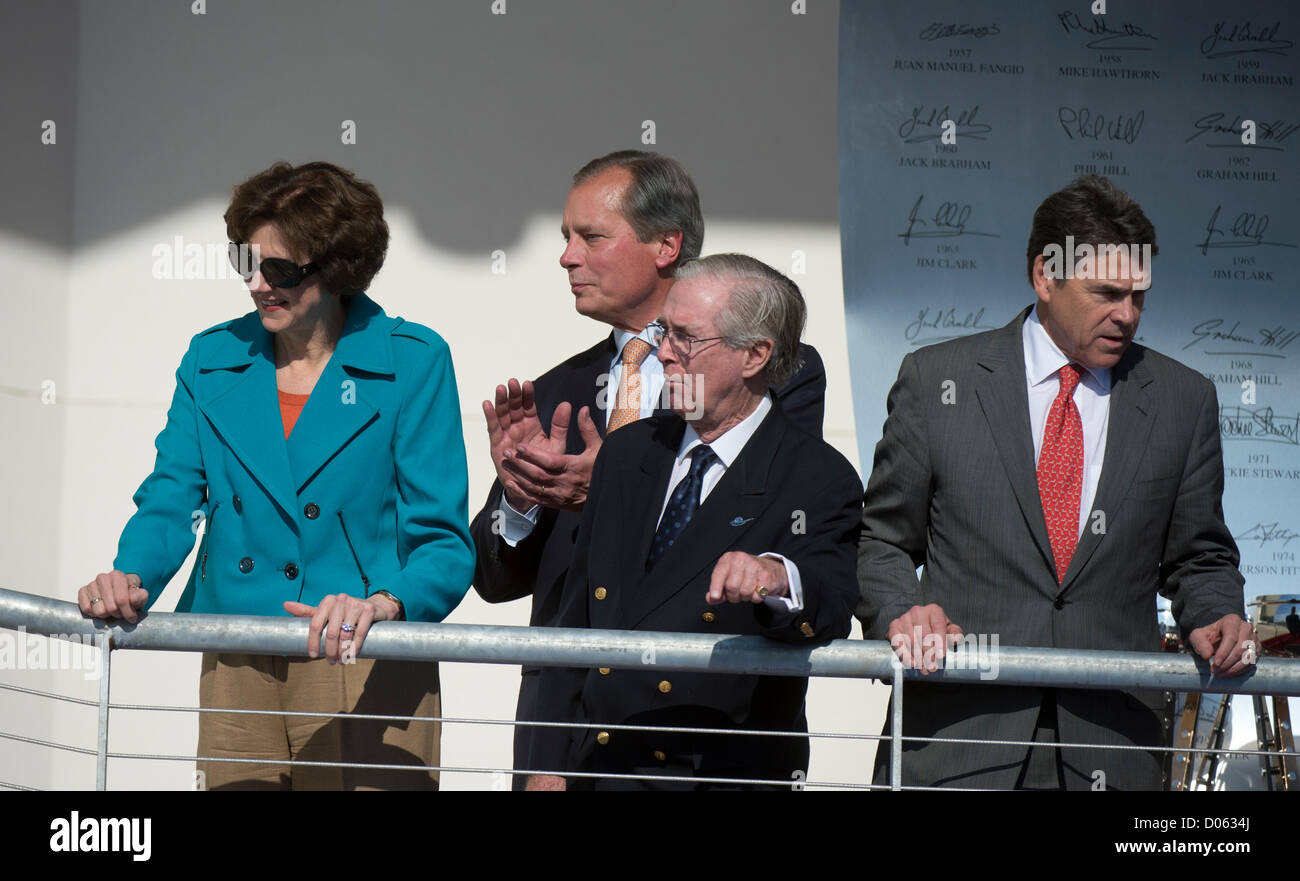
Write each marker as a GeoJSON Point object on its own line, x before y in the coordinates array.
{"type": "Point", "coordinates": [683, 504]}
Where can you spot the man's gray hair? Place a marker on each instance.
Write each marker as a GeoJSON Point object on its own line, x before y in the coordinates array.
{"type": "Point", "coordinates": [661, 198]}
{"type": "Point", "coordinates": [764, 304]}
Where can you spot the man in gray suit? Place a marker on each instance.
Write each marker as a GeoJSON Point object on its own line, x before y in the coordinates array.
{"type": "Point", "coordinates": [1050, 477]}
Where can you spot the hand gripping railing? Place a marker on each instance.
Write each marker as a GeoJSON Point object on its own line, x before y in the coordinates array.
{"type": "Point", "coordinates": [564, 647]}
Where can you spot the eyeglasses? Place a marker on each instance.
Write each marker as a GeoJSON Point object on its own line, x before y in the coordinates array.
{"type": "Point", "coordinates": [680, 343]}
{"type": "Point", "coordinates": [279, 272]}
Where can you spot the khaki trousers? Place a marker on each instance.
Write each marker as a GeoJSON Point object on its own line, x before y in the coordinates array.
{"type": "Point", "coordinates": [261, 682]}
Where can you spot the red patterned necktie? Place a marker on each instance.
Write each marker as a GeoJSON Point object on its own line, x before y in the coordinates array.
{"type": "Point", "coordinates": [1060, 471]}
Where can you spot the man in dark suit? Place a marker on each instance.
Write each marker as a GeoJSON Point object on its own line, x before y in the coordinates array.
{"type": "Point", "coordinates": [1051, 477]}
{"type": "Point", "coordinates": [721, 517]}
{"type": "Point", "coordinates": [630, 219]}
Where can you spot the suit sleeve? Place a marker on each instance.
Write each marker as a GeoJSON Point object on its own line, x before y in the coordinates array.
{"type": "Point", "coordinates": [803, 398]}
{"type": "Point", "coordinates": [825, 556]}
{"type": "Point", "coordinates": [896, 509]}
{"type": "Point", "coordinates": [503, 573]}
{"type": "Point", "coordinates": [157, 538]}
{"type": "Point", "coordinates": [434, 545]}
{"type": "Point", "coordinates": [559, 689]}
{"type": "Point", "coordinates": [1198, 568]}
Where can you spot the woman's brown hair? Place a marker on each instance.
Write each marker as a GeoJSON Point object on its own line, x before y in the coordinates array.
{"type": "Point", "coordinates": [324, 213]}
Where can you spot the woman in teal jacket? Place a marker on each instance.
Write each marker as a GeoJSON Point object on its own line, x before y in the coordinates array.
{"type": "Point", "coordinates": [318, 444]}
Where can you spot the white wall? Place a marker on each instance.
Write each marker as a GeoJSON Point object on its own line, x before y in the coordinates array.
{"type": "Point", "coordinates": [38, 76]}
{"type": "Point", "coordinates": [470, 124]}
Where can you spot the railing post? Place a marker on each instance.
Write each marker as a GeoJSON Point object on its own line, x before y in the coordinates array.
{"type": "Point", "coordinates": [896, 726]}
{"type": "Point", "coordinates": [103, 641]}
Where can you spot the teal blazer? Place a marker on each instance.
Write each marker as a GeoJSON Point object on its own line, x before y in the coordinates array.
{"type": "Point", "coordinates": [368, 493]}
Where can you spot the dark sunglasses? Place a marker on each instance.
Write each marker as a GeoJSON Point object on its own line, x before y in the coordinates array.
{"type": "Point", "coordinates": [279, 272]}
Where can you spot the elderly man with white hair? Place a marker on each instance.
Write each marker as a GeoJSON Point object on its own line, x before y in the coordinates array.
{"type": "Point", "coordinates": [753, 531]}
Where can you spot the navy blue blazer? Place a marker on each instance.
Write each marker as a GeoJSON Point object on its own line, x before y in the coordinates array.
{"type": "Point", "coordinates": [539, 563]}
{"type": "Point", "coordinates": [786, 493]}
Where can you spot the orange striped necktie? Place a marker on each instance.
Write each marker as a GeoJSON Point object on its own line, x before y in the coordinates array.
{"type": "Point", "coordinates": [627, 407]}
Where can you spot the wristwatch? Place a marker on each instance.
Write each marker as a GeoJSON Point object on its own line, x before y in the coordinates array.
{"type": "Point", "coordinates": [401, 609]}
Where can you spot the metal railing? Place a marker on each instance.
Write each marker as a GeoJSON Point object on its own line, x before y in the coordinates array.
{"type": "Point", "coordinates": [562, 647]}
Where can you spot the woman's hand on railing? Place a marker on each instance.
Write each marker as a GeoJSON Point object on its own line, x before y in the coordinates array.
{"type": "Point", "coordinates": [113, 595]}
{"type": "Point", "coordinates": [345, 620]}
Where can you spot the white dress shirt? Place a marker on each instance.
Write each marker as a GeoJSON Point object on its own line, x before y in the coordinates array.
{"type": "Point", "coordinates": [727, 447]}
{"type": "Point", "coordinates": [1043, 361]}
{"type": "Point", "coordinates": [517, 526]}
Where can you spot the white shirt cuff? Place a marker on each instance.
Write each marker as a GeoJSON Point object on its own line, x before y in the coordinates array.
{"type": "Point", "coordinates": [516, 527]}
{"type": "Point", "coordinates": [793, 602]}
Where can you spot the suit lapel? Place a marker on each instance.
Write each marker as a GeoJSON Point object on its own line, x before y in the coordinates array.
{"type": "Point", "coordinates": [647, 486]}
{"type": "Point", "coordinates": [341, 406]}
{"type": "Point", "coordinates": [592, 393]}
{"type": "Point", "coordinates": [235, 391]}
{"type": "Point", "coordinates": [580, 385]}
{"type": "Point", "coordinates": [721, 522]}
{"type": "Point", "coordinates": [1132, 414]}
{"type": "Point", "coordinates": [1004, 397]}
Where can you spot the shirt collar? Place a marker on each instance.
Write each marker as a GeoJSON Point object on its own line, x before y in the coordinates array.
{"type": "Point", "coordinates": [623, 337]}
{"type": "Point", "coordinates": [729, 444]}
{"type": "Point", "coordinates": [359, 346]}
{"type": "Point", "coordinates": [1043, 357]}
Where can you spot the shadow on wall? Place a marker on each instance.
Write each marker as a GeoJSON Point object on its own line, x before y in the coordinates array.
{"type": "Point", "coordinates": [473, 121]}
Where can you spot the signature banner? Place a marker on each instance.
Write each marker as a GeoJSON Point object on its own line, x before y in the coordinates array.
{"type": "Point", "coordinates": [957, 117]}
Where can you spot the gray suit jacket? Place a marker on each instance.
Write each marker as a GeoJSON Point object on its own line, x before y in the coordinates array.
{"type": "Point", "coordinates": [953, 488]}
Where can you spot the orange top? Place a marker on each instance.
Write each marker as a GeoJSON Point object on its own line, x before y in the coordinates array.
{"type": "Point", "coordinates": [290, 409]}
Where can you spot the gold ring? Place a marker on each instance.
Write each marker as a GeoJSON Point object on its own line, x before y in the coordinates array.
{"type": "Point", "coordinates": [761, 591]}
{"type": "Point", "coordinates": [96, 600]}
